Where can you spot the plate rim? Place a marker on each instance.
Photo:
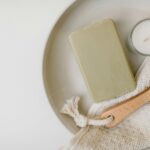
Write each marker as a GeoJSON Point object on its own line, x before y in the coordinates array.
{"type": "Point", "coordinates": [48, 41]}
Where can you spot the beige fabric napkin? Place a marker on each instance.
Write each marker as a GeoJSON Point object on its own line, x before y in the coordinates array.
{"type": "Point", "coordinates": [132, 134]}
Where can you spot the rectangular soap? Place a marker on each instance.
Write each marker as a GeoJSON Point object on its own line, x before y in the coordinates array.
{"type": "Point", "coordinates": [102, 61]}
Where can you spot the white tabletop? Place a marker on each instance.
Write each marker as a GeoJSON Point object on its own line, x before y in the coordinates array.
{"type": "Point", "coordinates": [27, 121]}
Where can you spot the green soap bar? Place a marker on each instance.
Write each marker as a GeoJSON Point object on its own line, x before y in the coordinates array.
{"type": "Point", "coordinates": [102, 60]}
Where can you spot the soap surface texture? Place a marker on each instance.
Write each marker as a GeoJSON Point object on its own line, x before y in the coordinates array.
{"type": "Point", "coordinates": [102, 60]}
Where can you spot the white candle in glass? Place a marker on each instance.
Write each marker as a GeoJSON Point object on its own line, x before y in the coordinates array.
{"type": "Point", "coordinates": [140, 37]}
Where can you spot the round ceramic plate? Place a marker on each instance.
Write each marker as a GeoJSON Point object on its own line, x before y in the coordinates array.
{"type": "Point", "coordinates": [62, 76]}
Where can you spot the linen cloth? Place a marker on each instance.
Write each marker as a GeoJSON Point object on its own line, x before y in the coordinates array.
{"type": "Point", "coordinates": [132, 134]}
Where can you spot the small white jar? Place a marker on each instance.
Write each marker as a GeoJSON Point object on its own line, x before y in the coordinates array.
{"type": "Point", "coordinates": [139, 39]}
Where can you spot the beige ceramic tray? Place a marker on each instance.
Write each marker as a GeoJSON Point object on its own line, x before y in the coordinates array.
{"type": "Point", "coordinates": [62, 76]}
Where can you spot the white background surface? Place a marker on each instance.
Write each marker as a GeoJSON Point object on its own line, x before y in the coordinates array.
{"type": "Point", "coordinates": [27, 121]}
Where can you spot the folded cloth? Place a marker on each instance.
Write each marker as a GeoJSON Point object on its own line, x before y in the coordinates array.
{"type": "Point", "coordinates": [132, 134]}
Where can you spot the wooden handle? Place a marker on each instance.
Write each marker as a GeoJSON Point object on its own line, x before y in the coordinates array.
{"type": "Point", "coordinates": [124, 109]}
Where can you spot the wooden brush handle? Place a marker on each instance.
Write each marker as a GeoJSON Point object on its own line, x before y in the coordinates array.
{"type": "Point", "coordinates": [124, 109]}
